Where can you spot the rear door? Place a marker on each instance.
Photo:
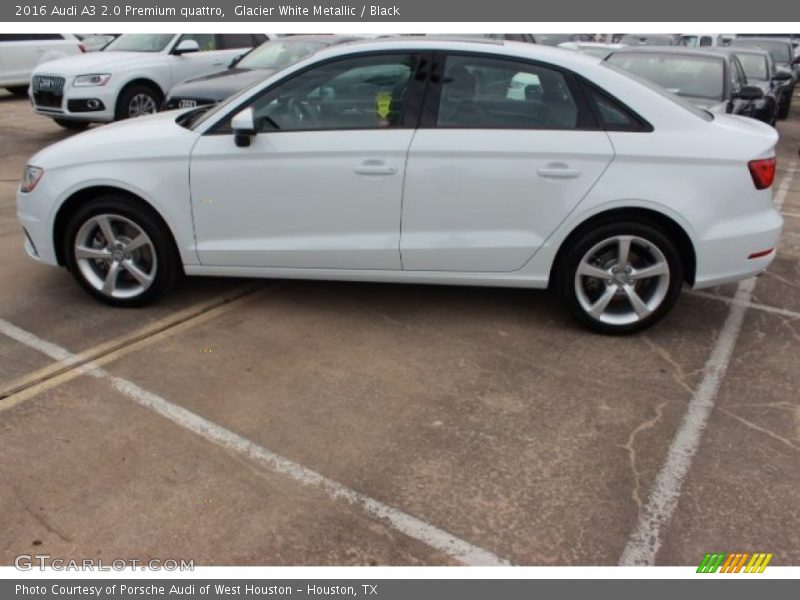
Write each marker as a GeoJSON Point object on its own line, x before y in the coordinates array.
{"type": "Point", "coordinates": [506, 150]}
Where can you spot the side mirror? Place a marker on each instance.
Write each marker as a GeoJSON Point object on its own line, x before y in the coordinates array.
{"type": "Point", "coordinates": [749, 92]}
{"type": "Point", "coordinates": [796, 60]}
{"type": "Point", "coordinates": [244, 127]}
{"type": "Point", "coordinates": [782, 75]}
{"type": "Point", "coordinates": [186, 46]}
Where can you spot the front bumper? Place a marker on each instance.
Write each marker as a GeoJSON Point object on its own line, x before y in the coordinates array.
{"type": "Point", "coordinates": [90, 104]}
{"type": "Point", "coordinates": [33, 215]}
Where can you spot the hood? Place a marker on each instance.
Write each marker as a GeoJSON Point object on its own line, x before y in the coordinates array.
{"type": "Point", "coordinates": [156, 137]}
{"type": "Point", "coordinates": [715, 106]}
{"type": "Point", "coordinates": [93, 62]}
{"type": "Point", "coordinates": [219, 86]}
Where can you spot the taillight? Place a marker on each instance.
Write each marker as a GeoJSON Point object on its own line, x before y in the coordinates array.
{"type": "Point", "coordinates": [763, 172]}
{"type": "Point", "coordinates": [82, 47]}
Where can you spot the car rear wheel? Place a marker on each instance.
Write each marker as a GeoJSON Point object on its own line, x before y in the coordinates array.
{"type": "Point", "coordinates": [73, 125]}
{"type": "Point", "coordinates": [119, 252]}
{"type": "Point", "coordinates": [137, 101]}
{"type": "Point", "coordinates": [620, 278]}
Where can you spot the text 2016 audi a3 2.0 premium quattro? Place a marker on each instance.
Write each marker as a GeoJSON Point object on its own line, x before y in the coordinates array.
{"type": "Point", "coordinates": [420, 160]}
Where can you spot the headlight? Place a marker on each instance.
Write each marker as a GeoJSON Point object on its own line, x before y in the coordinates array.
{"type": "Point", "coordinates": [30, 178]}
{"type": "Point", "coordinates": [91, 80]}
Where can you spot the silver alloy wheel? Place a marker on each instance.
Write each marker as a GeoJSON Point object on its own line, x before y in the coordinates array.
{"type": "Point", "coordinates": [622, 280]}
{"type": "Point", "coordinates": [142, 104]}
{"type": "Point", "coordinates": [115, 256]}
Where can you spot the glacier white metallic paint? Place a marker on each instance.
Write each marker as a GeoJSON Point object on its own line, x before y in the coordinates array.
{"type": "Point", "coordinates": [447, 206]}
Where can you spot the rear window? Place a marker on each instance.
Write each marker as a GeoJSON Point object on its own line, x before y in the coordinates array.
{"type": "Point", "coordinates": [691, 76]}
{"type": "Point", "coordinates": [698, 112]}
{"type": "Point", "coordinates": [781, 52]}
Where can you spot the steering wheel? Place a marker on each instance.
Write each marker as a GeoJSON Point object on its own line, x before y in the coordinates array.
{"type": "Point", "coordinates": [301, 112]}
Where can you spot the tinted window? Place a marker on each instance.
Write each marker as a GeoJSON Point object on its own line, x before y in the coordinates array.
{"type": "Point", "coordinates": [357, 93]}
{"type": "Point", "coordinates": [614, 115]}
{"type": "Point", "coordinates": [693, 76]}
{"type": "Point", "coordinates": [495, 93]}
{"type": "Point", "coordinates": [27, 37]}
{"type": "Point", "coordinates": [705, 41]}
{"type": "Point", "coordinates": [236, 40]}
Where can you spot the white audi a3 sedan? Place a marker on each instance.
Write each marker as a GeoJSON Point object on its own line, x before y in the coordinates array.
{"type": "Point", "coordinates": [420, 161]}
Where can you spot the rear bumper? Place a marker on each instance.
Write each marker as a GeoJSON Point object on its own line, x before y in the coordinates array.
{"type": "Point", "coordinates": [724, 255]}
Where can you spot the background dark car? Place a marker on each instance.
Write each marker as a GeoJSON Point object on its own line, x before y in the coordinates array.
{"type": "Point", "coordinates": [254, 66]}
{"type": "Point", "coordinates": [710, 79]}
{"type": "Point", "coordinates": [760, 70]}
{"type": "Point", "coordinates": [782, 53]}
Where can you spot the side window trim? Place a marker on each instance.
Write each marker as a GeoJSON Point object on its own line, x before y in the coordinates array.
{"type": "Point", "coordinates": [411, 114]}
{"type": "Point", "coordinates": [588, 88]}
{"type": "Point", "coordinates": [587, 120]}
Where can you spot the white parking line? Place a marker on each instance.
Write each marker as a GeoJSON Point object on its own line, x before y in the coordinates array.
{"type": "Point", "coordinates": [413, 527]}
{"type": "Point", "coordinates": [783, 312]}
{"type": "Point", "coordinates": [645, 540]}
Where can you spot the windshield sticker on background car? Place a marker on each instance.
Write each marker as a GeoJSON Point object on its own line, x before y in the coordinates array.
{"type": "Point", "coordinates": [383, 104]}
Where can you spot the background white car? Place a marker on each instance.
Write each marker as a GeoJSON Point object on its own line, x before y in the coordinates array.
{"type": "Point", "coordinates": [372, 161]}
{"type": "Point", "coordinates": [131, 76]}
{"type": "Point", "coordinates": [20, 53]}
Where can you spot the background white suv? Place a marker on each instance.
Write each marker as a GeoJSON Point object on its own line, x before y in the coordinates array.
{"type": "Point", "coordinates": [131, 76]}
{"type": "Point", "coordinates": [20, 53]}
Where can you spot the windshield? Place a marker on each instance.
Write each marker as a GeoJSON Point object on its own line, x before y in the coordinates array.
{"type": "Point", "coordinates": [646, 40]}
{"type": "Point", "coordinates": [693, 76]}
{"type": "Point", "coordinates": [703, 114]}
{"type": "Point", "coordinates": [140, 42]}
{"type": "Point", "coordinates": [277, 55]}
{"type": "Point", "coordinates": [755, 66]}
{"type": "Point", "coordinates": [781, 51]}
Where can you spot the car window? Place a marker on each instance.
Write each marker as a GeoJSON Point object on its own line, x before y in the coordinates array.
{"type": "Point", "coordinates": [736, 80]}
{"type": "Point", "coordinates": [755, 66]}
{"type": "Point", "coordinates": [355, 93]}
{"type": "Point", "coordinates": [28, 37]}
{"type": "Point", "coordinates": [705, 41]}
{"type": "Point", "coordinates": [279, 54]}
{"type": "Point", "coordinates": [614, 115]}
{"type": "Point", "coordinates": [140, 42]}
{"type": "Point", "coordinates": [781, 51]}
{"type": "Point", "coordinates": [229, 41]}
{"type": "Point", "coordinates": [206, 41]}
{"type": "Point", "coordinates": [496, 93]}
{"type": "Point", "coordinates": [684, 75]}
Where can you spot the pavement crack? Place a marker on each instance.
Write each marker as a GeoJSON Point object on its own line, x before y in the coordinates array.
{"type": "Point", "coordinates": [679, 375]}
{"type": "Point", "coordinates": [41, 519]}
{"type": "Point", "coordinates": [764, 430]}
{"type": "Point", "coordinates": [629, 446]}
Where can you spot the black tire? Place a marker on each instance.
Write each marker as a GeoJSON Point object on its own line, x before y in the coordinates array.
{"type": "Point", "coordinates": [785, 105]}
{"type": "Point", "coordinates": [589, 238]}
{"type": "Point", "coordinates": [18, 90]}
{"type": "Point", "coordinates": [121, 110]}
{"type": "Point", "coordinates": [166, 266]}
{"type": "Point", "coordinates": [72, 125]}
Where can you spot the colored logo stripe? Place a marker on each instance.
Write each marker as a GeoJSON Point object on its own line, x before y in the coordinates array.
{"type": "Point", "coordinates": [734, 562]}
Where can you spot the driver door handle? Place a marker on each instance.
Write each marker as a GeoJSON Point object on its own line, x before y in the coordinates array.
{"type": "Point", "coordinates": [375, 167]}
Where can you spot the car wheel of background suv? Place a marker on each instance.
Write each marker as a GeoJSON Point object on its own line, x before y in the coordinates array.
{"type": "Point", "coordinates": [785, 104]}
{"type": "Point", "coordinates": [620, 277]}
{"type": "Point", "coordinates": [137, 100]}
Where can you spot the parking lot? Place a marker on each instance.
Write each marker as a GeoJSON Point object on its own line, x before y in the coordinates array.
{"type": "Point", "coordinates": [290, 422]}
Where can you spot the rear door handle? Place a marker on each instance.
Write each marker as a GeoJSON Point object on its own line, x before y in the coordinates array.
{"type": "Point", "coordinates": [558, 171]}
{"type": "Point", "coordinates": [375, 167]}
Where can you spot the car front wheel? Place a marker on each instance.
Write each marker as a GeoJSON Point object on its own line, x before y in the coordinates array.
{"type": "Point", "coordinates": [620, 278]}
{"type": "Point", "coordinates": [137, 101]}
{"type": "Point", "coordinates": [119, 252]}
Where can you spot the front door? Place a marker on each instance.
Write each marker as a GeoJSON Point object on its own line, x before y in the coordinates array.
{"type": "Point", "coordinates": [321, 184]}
